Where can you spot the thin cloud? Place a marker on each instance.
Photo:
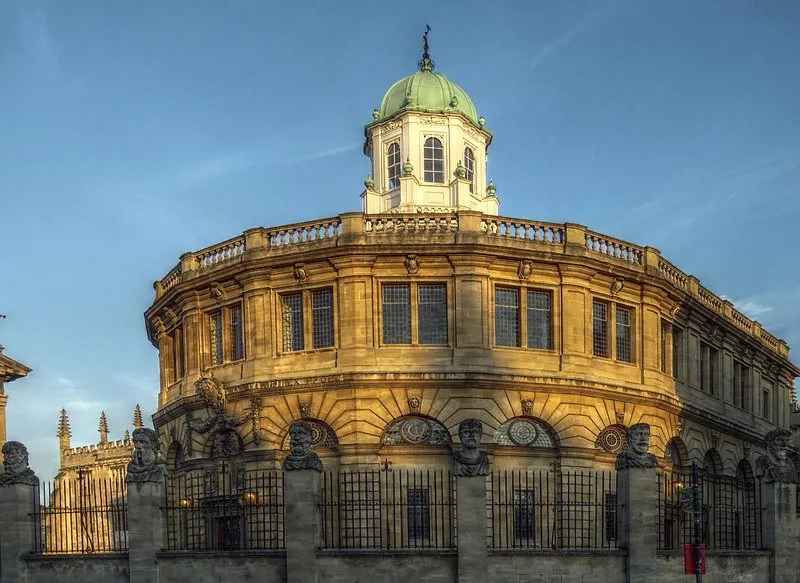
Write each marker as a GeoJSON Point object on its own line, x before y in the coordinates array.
{"type": "Point", "coordinates": [549, 49]}
{"type": "Point", "coordinates": [749, 307]}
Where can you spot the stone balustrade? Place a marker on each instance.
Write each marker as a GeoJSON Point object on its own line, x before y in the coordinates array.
{"type": "Point", "coordinates": [489, 230]}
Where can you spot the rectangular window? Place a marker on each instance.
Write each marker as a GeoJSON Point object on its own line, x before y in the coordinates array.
{"type": "Point", "coordinates": [237, 333]}
{"type": "Point", "coordinates": [740, 388]}
{"type": "Point", "coordinates": [624, 345]}
{"type": "Point", "coordinates": [215, 336]}
{"type": "Point", "coordinates": [665, 328]}
{"type": "Point", "coordinates": [707, 368]}
{"type": "Point", "coordinates": [419, 514]}
{"type": "Point", "coordinates": [396, 314]}
{"type": "Point", "coordinates": [539, 317]}
{"type": "Point", "coordinates": [524, 515]}
{"type": "Point", "coordinates": [677, 352]}
{"type": "Point", "coordinates": [611, 516]}
{"type": "Point", "coordinates": [432, 313]}
{"type": "Point", "coordinates": [506, 317]}
{"type": "Point", "coordinates": [177, 354]}
{"type": "Point", "coordinates": [765, 409]}
{"type": "Point", "coordinates": [322, 317]}
{"type": "Point", "coordinates": [292, 315]}
{"type": "Point", "coordinates": [600, 329]}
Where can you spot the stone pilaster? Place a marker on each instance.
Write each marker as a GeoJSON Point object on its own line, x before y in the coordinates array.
{"type": "Point", "coordinates": [781, 529]}
{"type": "Point", "coordinates": [303, 528]}
{"type": "Point", "coordinates": [473, 557]}
{"type": "Point", "coordinates": [637, 491]}
{"type": "Point", "coordinates": [146, 523]}
{"type": "Point", "coordinates": [18, 528]}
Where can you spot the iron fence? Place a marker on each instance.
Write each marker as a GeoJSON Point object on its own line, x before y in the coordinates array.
{"type": "Point", "coordinates": [219, 510]}
{"type": "Point", "coordinates": [729, 517]}
{"type": "Point", "coordinates": [552, 509]}
{"type": "Point", "coordinates": [388, 509]}
{"type": "Point", "coordinates": [82, 515]}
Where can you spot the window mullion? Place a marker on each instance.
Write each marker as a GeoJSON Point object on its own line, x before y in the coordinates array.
{"type": "Point", "coordinates": [523, 317]}
{"type": "Point", "coordinates": [611, 319]}
{"type": "Point", "coordinates": [414, 313]}
{"type": "Point", "coordinates": [308, 321]}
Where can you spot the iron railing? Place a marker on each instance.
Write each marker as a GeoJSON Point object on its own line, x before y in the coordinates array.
{"type": "Point", "coordinates": [729, 516]}
{"type": "Point", "coordinates": [388, 509]}
{"type": "Point", "coordinates": [552, 509]}
{"type": "Point", "coordinates": [83, 515]}
{"type": "Point", "coordinates": [218, 510]}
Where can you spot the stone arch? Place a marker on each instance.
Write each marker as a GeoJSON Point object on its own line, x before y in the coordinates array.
{"type": "Point", "coordinates": [224, 442]}
{"type": "Point", "coordinates": [175, 456]}
{"type": "Point", "coordinates": [529, 432]}
{"type": "Point", "coordinates": [677, 453]}
{"type": "Point", "coordinates": [415, 430]}
{"type": "Point", "coordinates": [712, 463]}
{"type": "Point", "coordinates": [322, 434]}
{"type": "Point", "coordinates": [612, 439]}
{"type": "Point", "coordinates": [744, 474]}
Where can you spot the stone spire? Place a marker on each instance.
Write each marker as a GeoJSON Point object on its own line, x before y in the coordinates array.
{"type": "Point", "coordinates": [64, 431]}
{"type": "Point", "coordinates": [103, 428]}
{"type": "Point", "coordinates": [137, 417]}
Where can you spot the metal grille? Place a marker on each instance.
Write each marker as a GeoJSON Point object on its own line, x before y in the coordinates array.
{"type": "Point", "coordinates": [539, 328]}
{"type": "Point", "coordinates": [547, 509]}
{"type": "Point", "coordinates": [624, 352]}
{"type": "Point", "coordinates": [82, 515]}
{"type": "Point", "coordinates": [433, 160]}
{"type": "Point", "coordinates": [322, 317]}
{"type": "Point", "coordinates": [432, 316]}
{"type": "Point", "coordinates": [215, 335]}
{"type": "Point", "coordinates": [216, 510]}
{"type": "Point", "coordinates": [396, 314]}
{"type": "Point", "coordinates": [506, 317]}
{"type": "Point", "coordinates": [394, 165]}
{"type": "Point", "coordinates": [237, 333]}
{"type": "Point", "coordinates": [394, 509]}
{"type": "Point", "coordinates": [728, 511]}
{"type": "Point", "coordinates": [292, 311]}
{"type": "Point", "coordinates": [469, 165]}
{"type": "Point", "coordinates": [600, 329]}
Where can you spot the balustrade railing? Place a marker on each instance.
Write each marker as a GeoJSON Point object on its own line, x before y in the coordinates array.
{"type": "Point", "coordinates": [408, 223]}
{"type": "Point", "coordinates": [220, 253]}
{"type": "Point", "coordinates": [304, 232]}
{"type": "Point", "coordinates": [672, 274]}
{"type": "Point", "coordinates": [614, 248]}
{"type": "Point", "coordinates": [710, 300]}
{"type": "Point", "coordinates": [524, 230]}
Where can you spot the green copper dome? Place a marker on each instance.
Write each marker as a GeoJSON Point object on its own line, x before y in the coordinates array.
{"type": "Point", "coordinates": [426, 91]}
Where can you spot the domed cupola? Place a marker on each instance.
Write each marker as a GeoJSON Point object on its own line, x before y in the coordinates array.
{"type": "Point", "coordinates": [428, 147]}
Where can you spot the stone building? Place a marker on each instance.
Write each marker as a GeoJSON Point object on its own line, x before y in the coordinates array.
{"type": "Point", "coordinates": [10, 370]}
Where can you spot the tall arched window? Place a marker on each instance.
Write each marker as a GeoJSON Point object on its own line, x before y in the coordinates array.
{"type": "Point", "coordinates": [393, 162]}
{"type": "Point", "coordinates": [469, 164]}
{"type": "Point", "coordinates": [434, 160]}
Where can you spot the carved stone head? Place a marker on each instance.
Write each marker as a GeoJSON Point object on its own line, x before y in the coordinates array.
{"type": "Point", "coordinates": [145, 443]}
{"type": "Point", "coordinates": [15, 457]}
{"type": "Point", "coordinates": [777, 442]}
{"type": "Point", "coordinates": [470, 432]}
{"type": "Point", "coordinates": [300, 439]}
{"type": "Point", "coordinates": [639, 438]}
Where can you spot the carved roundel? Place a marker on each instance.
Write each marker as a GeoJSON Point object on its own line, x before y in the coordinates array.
{"type": "Point", "coordinates": [522, 432]}
{"type": "Point", "coordinates": [612, 439]}
{"type": "Point", "coordinates": [415, 430]}
{"type": "Point", "coordinates": [321, 435]}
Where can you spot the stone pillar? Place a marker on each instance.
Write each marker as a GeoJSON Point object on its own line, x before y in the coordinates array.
{"type": "Point", "coordinates": [146, 523]}
{"type": "Point", "coordinates": [779, 512]}
{"type": "Point", "coordinates": [18, 527]}
{"type": "Point", "coordinates": [637, 499]}
{"type": "Point", "coordinates": [301, 492]}
{"type": "Point", "coordinates": [473, 555]}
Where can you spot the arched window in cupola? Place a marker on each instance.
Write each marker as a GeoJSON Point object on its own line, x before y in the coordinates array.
{"type": "Point", "coordinates": [393, 164]}
{"type": "Point", "coordinates": [434, 160]}
{"type": "Point", "coordinates": [469, 165]}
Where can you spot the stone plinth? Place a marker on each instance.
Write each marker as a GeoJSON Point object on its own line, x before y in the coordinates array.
{"type": "Point", "coordinates": [145, 529]}
{"type": "Point", "coordinates": [473, 557]}
{"type": "Point", "coordinates": [303, 532]}
{"type": "Point", "coordinates": [637, 492]}
{"type": "Point", "coordinates": [781, 530]}
{"type": "Point", "coordinates": [17, 525]}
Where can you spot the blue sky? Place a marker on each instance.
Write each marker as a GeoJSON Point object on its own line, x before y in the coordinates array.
{"type": "Point", "coordinates": [131, 132]}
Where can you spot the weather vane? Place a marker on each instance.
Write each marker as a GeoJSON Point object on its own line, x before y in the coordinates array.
{"type": "Point", "coordinates": [426, 63]}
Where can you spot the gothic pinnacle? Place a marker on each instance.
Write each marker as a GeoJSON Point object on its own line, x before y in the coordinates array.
{"type": "Point", "coordinates": [63, 425]}
{"type": "Point", "coordinates": [103, 427]}
{"type": "Point", "coordinates": [137, 417]}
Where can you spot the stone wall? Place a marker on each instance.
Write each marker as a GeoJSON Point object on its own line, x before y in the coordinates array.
{"type": "Point", "coordinates": [108, 568]}
{"type": "Point", "coordinates": [212, 567]}
{"type": "Point", "coordinates": [387, 567]}
{"type": "Point", "coordinates": [558, 567]}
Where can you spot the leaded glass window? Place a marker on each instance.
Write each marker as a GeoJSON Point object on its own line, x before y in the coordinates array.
{"type": "Point", "coordinates": [393, 161]}
{"type": "Point", "coordinates": [624, 352]}
{"type": "Point", "coordinates": [506, 317]}
{"type": "Point", "coordinates": [396, 314]}
{"type": "Point", "coordinates": [524, 515]}
{"type": "Point", "coordinates": [237, 333]}
{"type": "Point", "coordinates": [432, 314]}
{"type": "Point", "coordinates": [292, 315]}
{"type": "Point", "coordinates": [539, 329]}
{"type": "Point", "coordinates": [419, 514]}
{"type": "Point", "coordinates": [215, 334]}
{"type": "Point", "coordinates": [600, 329]}
{"type": "Point", "coordinates": [322, 320]}
{"type": "Point", "coordinates": [469, 164]}
{"type": "Point", "coordinates": [433, 159]}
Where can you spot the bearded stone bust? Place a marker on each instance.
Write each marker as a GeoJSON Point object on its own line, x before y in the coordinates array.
{"type": "Point", "coordinates": [637, 456]}
{"type": "Point", "coordinates": [777, 466]}
{"type": "Point", "coordinates": [145, 465]}
{"type": "Point", "coordinates": [15, 465]}
{"type": "Point", "coordinates": [470, 461]}
{"type": "Point", "coordinates": [300, 455]}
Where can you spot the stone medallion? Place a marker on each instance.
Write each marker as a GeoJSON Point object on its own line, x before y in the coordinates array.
{"type": "Point", "coordinates": [522, 432]}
